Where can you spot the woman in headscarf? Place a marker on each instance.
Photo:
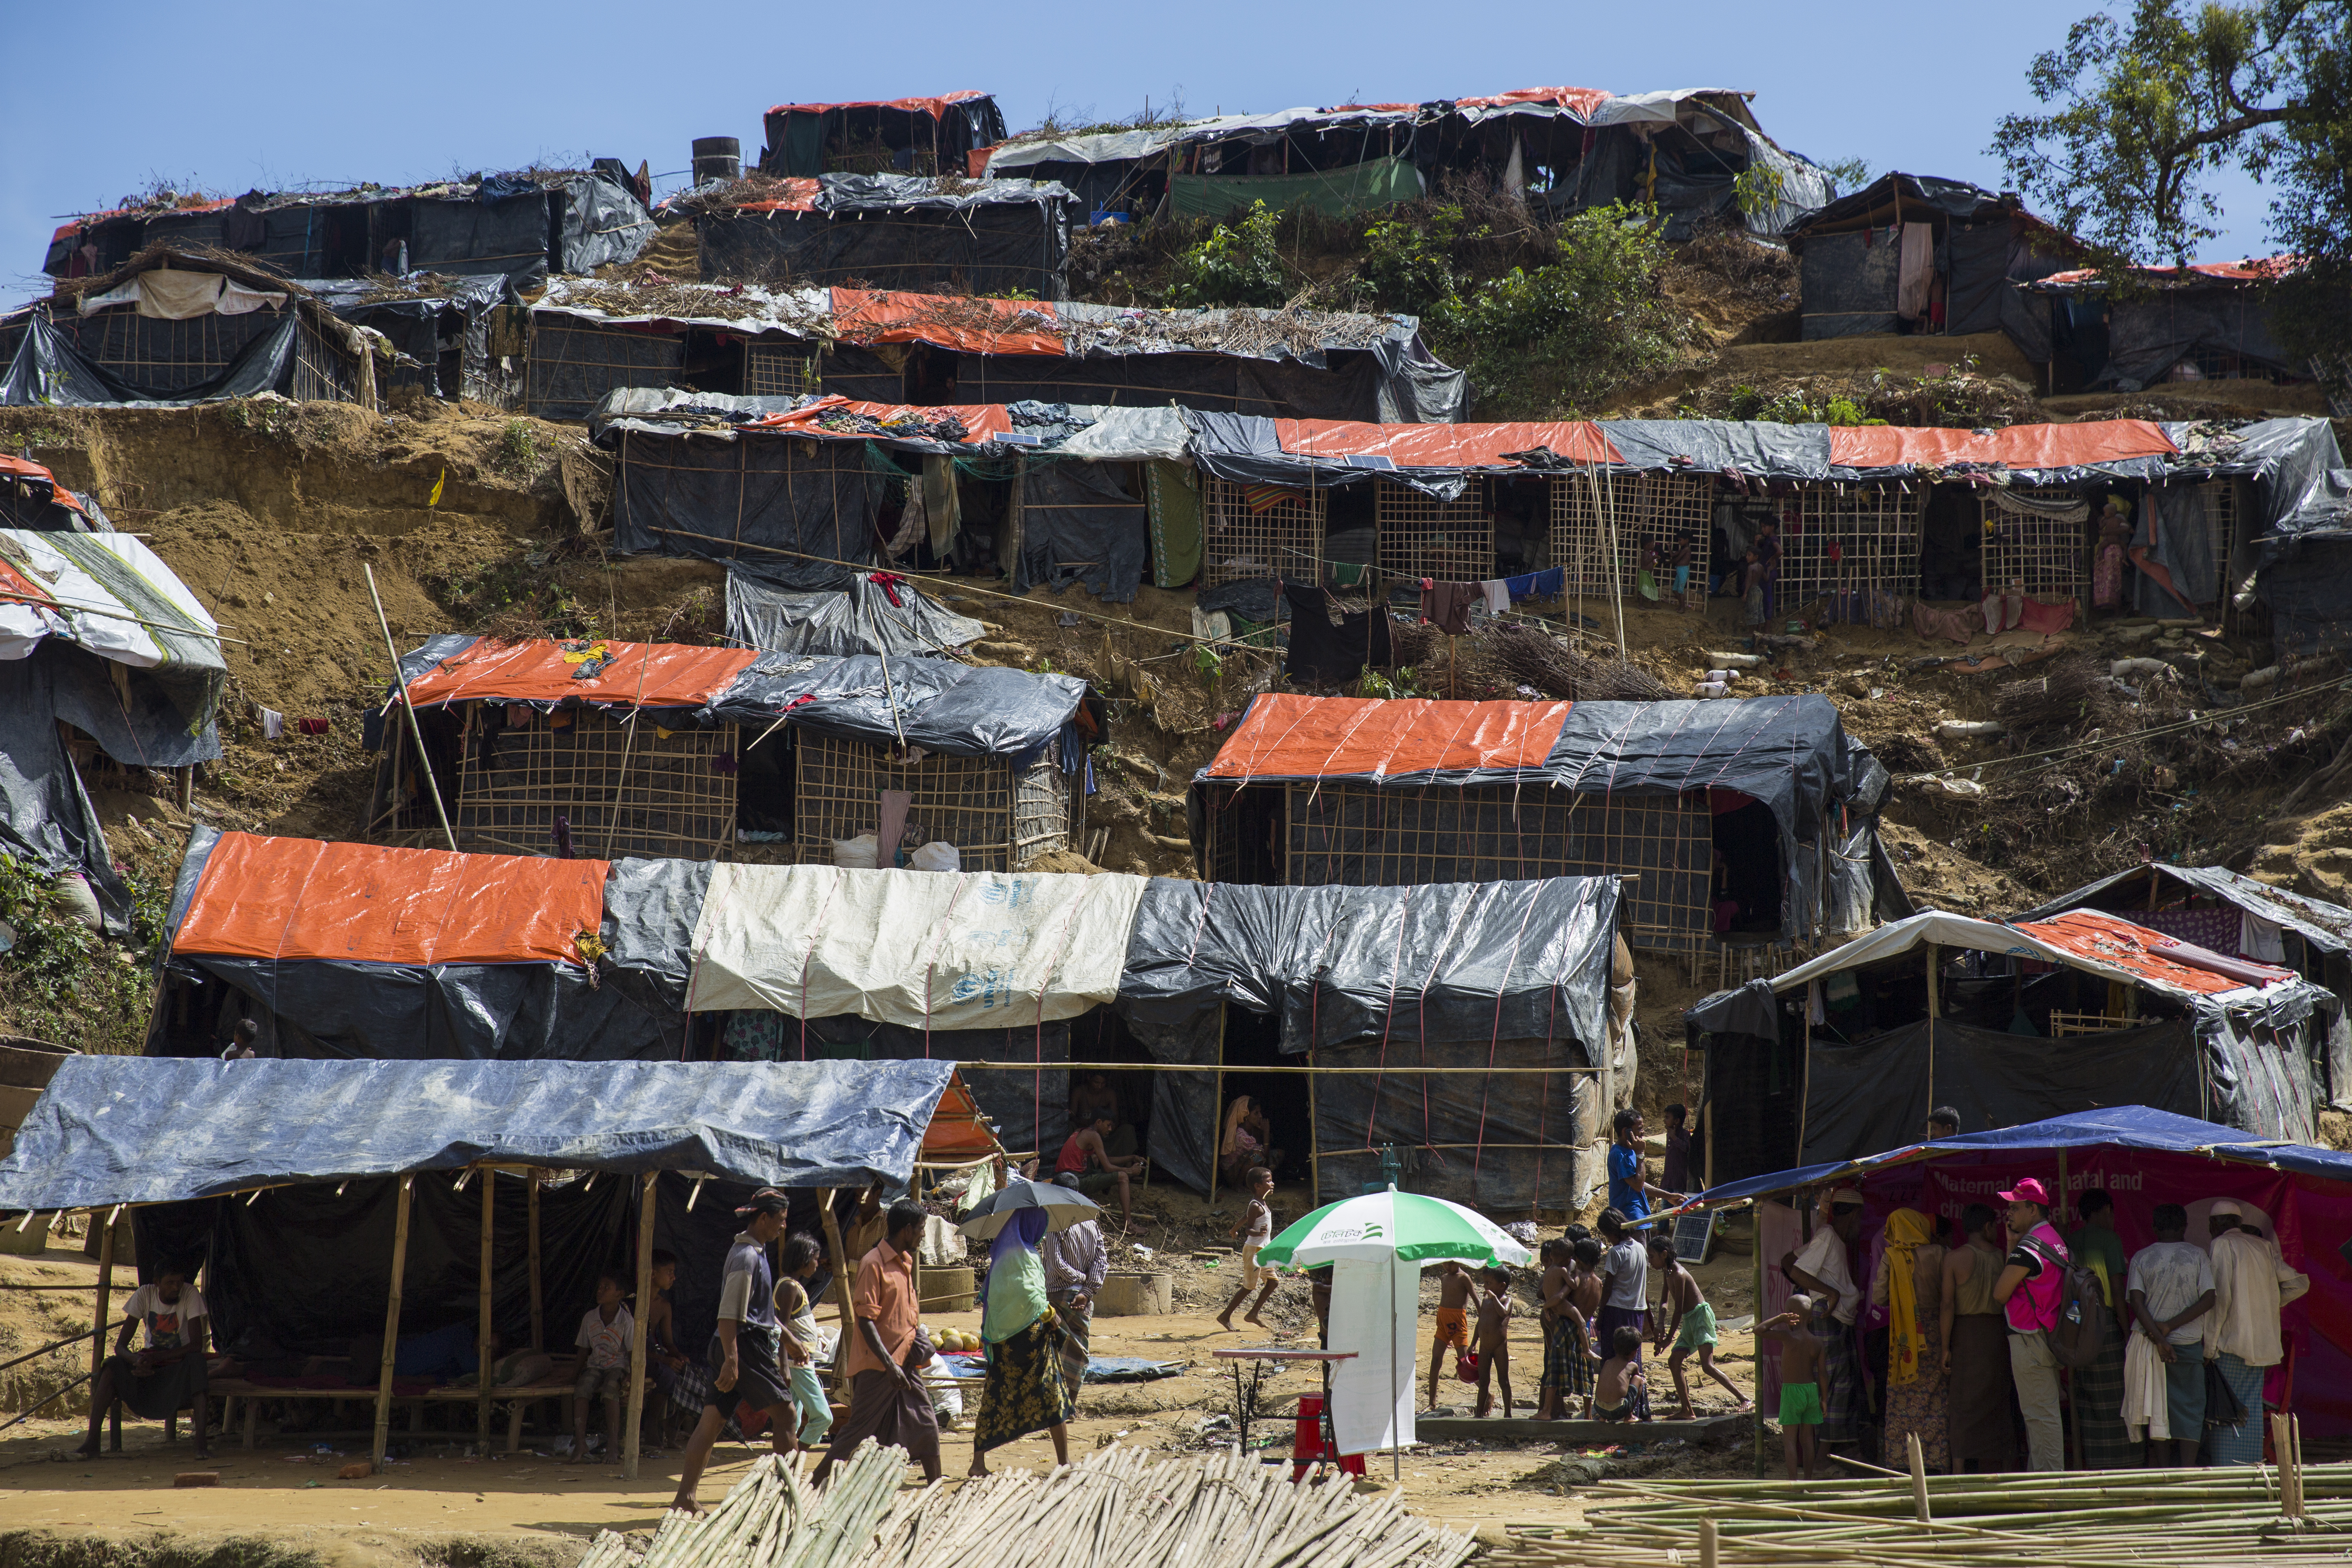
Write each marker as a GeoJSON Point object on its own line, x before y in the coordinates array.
{"type": "Point", "coordinates": [1024, 1391]}
{"type": "Point", "coordinates": [1244, 1143]}
{"type": "Point", "coordinates": [1910, 1285]}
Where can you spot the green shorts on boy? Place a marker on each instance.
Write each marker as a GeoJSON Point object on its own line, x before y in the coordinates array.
{"type": "Point", "coordinates": [1800, 1405]}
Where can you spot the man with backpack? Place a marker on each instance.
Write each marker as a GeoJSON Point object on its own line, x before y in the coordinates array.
{"type": "Point", "coordinates": [2053, 1316]}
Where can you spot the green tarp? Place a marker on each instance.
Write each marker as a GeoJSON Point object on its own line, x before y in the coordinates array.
{"type": "Point", "coordinates": [1335, 193]}
{"type": "Point", "coordinates": [1175, 522]}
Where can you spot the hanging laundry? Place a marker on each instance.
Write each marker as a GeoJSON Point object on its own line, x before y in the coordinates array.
{"type": "Point", "coordinates": [1447, 605]}
{"type": "Point", "coordinates": [1915, 268]}
{"type": "Point", "coordinates": [1544, 584]}
{"type": "Point", "coordinates": [1328, 648]}
{"type": "Point", "coordinates": [273, 723]}
{"type": "Point", "coordinates": [1266, 498]}
{"type": "Point", "coordinates": [1350, 574]}
{"type": "Point", "coordinates": [1497, 594]}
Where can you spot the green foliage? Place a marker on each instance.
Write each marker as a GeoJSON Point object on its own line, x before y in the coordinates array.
{"type": "Point", "coordinates": [1747, 401]}
{"type": "Point", "coordinates": [1563, 335]}
{"type": "Point", "coordinates": [1410, 266]}
{"type": "Point", "coordinates": [517, 450]}
{"type": "Point", "coordinates": [65, 983]}
{"type": "Point", "coordinates": [1401, 681]}
{"type": "Point", "coordinates": [1847, 175]}
{"type": "Point", "coordinates": [1241, 265]}
{"type": "Point", "coordinates": [1756, 188]}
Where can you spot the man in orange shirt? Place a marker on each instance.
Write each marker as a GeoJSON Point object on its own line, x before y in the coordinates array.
{"type": "Point", "coordinates": [887, 1399]}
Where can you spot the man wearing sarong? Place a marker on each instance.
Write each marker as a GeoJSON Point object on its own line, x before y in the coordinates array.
{"type": "Point", "coordinates": [741, 1358]}
{"type": "Point", "coordinates": [887, 1399]}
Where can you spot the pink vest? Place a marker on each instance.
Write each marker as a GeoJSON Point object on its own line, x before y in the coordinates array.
{"type": "Point", "coordinates": [2034, 1305]}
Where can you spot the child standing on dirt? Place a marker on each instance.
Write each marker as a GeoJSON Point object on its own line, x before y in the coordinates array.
{"type": "Point", "coordinates": [1800, 1386]}
{"type": "Point", "coordinates": [1585, 1292]}
{"type": "Point", "coordinates": [1621, 1392]}
{"type": "Point", "coordinates": [1495, 1339]}
{"type": "Point", "coordinates": [1454, 1288]}
{"type": "Point", "coordinates": [1255, 1229]}
{"type": "Point", "coordinates": [1567, 1337]}
{"type": "Point", "coordinates": [1691, 1325]}
{"type": "Point", "coordinates": [600, 1367]}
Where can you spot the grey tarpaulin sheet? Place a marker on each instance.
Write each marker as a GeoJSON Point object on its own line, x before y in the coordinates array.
{"type": "Point", "coordinates": [113, 1130]}
{"type": "Point", "coordinates": [49, 371]}
{"type": "Point", "coordinates": [154, 731]}
{"type": "Point", "coordinates": [44, 816]}
{"type": "Point", "coordinates": [1723, 446]}
{"type": "Point", "coordinates": [1863, 1099]}
{"type": "Point", "coordinates": [2147, 335]}
{"type": "Point", "coordinates": [650, 908]}
{"type": "Point", "coordinates": [1078, 524]}
{"type": "Point", "coordinates": [1751, 1008]}
{"type": "Point", "coordinates": [601, 222]}
{"type": "Point", "coordinates": [966, 710]}
{"type": "Point", "coordinates": [859, 618]}
{"type": "Point", "coordinates": [799, 510]}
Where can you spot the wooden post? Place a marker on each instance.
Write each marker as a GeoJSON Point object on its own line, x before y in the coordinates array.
{"type": "Point", "coordinates": [538, 1307]}
{"type": "Point", "coordinates": [1708, 1548]}
{"type": "Point", "coordinates": [1217, 1150]}
{"type": "Point", "coordinates": [842, 1279]}
{"type": "Point", "coordinates": [1918, 1478]}
{"type": "Point", "coordinates": [1315, 1160]}
{"type": "Point", "coordinates": [651, 1184]}
{"type": "Point", "coordinates": [1756, 1381]}
{"type": "Point", "coordinates": [482, 1324]}
{"type": "Point", "coordinates": [392, 1324]}
{"type": "Point", "coordinates": [105, 1303]}
{"type": "Point", "coordinates": [1935, 1006]}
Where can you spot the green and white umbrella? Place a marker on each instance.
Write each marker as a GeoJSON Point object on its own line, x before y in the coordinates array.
{"type": "Point", "coordinates": [1402, 1225]}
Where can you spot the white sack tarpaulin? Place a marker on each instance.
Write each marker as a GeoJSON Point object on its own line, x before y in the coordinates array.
{"type": "Point", "coordinates": [927, 950]}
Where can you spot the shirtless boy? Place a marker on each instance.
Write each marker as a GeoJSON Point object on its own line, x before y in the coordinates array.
{"type": "Point", "coordinates": [1454, 1288]}
{"type": "Point", "coordinates": [1692, 1327]}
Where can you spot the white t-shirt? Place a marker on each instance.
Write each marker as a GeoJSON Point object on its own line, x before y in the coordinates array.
{"type": "Point", "coordinates": [1627, 1265]}
{"type": "Point", "coordinates": [1824, 1259]}
{"type": "Point", "coordinates": [2172, 1275]}
{"type": "Point", "coordinates": [166, 1321]}
{"type": "Point", "coordinates": [607, 1344]}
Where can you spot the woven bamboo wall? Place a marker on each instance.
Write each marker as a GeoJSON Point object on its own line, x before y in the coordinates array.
{"type": "Point", "coordinates": [1284, 540]}
{"type": "Point", "coordinates": [668, 794]}
{"type": "Point", "coordinates": [998, 819]}
{"type": "Point", "coordinates": [1648, 509]}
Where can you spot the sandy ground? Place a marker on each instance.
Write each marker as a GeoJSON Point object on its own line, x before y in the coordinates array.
{"type": "Point", "coordinates": [288, 1493]}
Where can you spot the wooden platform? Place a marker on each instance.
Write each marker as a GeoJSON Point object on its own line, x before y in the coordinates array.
{"type": "Point", "coordinates": [1585, 1433]}
{"type": "Point", "coordinates": [517, 1400]}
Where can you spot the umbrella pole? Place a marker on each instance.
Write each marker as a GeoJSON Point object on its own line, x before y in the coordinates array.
{"type": "Point", "coordinates": [1396, 1438]}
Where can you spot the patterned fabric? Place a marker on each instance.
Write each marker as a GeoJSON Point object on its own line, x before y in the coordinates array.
{"type": "Point", "coordinates": [2215, 930]}
{"type": "Point", "coordinates": [755, 1036]}
{"type": "Point", "coordinates": [2099, 1410]}
{"type": "Point", "coordinates": [1266, 498]}
{"type": "Point", "coordinates": [2238, 1445]}
{"type": "Point", "coordinates": [1569, 1365]}
{"type": "Point", "coordinates": [1077, 1334]}
{"type": "Point", "coordinates": [1840, 1386]}
{"type": "Point", "coordinates": [1918, 1407]}
{"type": "Point", "coordinates": [1024, 1391]}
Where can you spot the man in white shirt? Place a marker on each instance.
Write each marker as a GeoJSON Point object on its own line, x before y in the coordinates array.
{"type": "Point", "coordinates": [1075, 1266]}
{"type": "Point", "coordinates": [2250, 1283]}
{"type": "Point", "coordinates": [168, 1375]}
{"type": "Point", "coordinates": [1823, 1271]}
{"type": "Point", "coordinates": [2166, 1290]}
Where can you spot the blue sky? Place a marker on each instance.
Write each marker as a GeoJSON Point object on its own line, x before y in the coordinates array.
{"type": "Point", "coordinates": [342, 94]}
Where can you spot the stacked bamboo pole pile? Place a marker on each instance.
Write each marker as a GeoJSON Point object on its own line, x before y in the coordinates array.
{"type": "Point", "coordinates": [771, 1520]}
{"type": "Point", "coordinates": [2208, 1518]}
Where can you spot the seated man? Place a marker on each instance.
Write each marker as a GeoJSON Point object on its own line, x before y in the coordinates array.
{"type": "Point", "coordinates": [166, 1377]}
{"type": "Point", "coordinates": [1096, 1169]}
{"type": "Point", "coordinates": [1096, 1099]}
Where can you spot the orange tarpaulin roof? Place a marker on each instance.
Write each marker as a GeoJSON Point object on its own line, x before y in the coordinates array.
{"type": "Point", "coordinates": [647, 675]}
{"type": "Point", "coordinates": [2019, 447]}
{"type": "Point", "coordinates": [1286, 736]}
{"type": "Point", "coordinates": [2252, 270]}
{"type": "Point", "coordinates": [1583, 99]}
{"type": "Point", "coordinates": [932, 106]}
{"type": "Point", "coordinates": [945, 320]}
{"type": "Point", "coordinates": [981, 420]}
{"type": "Point", "coordinates": [1443, 446]}
{"type": "Point", "coordinates": [957, 1134]}
{"type": "Point", "coordinates": [800, 196]}
{"type": "Point", "coordinates": [298, 898]}
{"type": "Point", "coordinates": [2127, 946]}
{"type": "Point", "coordinates": [25, 468]}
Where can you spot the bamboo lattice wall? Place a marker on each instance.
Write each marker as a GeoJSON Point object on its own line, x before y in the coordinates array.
{"type": "Point", "coordinates": [1348, 834]}
{"type": "Point", "coordinates": [1284, 540]}
{"type": "Point", "coordinates": [1874, 532]}
{"type": "Point", "coordinates": [1421, 536]}
{"type": "Point", "coordinates": [1659, 509]}
{"type": "Point", "coordinates": [2047, 555]}
{"type": "Point", "coordinates": [673, 794]}
{"type": "Point", "coordinates": [998, 819]}
{"type": "Point", "coordinates": [575, 362]}
{"type": "Point", "coordinates": [775, 369]}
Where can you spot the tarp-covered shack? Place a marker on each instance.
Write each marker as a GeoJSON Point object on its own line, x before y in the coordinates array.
{"type": "Point", "coordinates": [1846, 1054]}
{"type": "Point", "coordinates": [2206, 321]}
{"type": "Point", "coordinates": [107, 664]}
{"type": "Point", "coordinates": [328, 1201]}
{"type": "Point", "coordinates": [1918, 254]}
{"type": "Point", "coordinates": [1753, 818]}
{"type": "Point", "coordinates": [886, 231]}
{"type": "Point", "coordinates": [170, 328]}
{"type": "Point", "coordinates": [606, 747]}
{"type": "Point", "coordinates": [933, 135]}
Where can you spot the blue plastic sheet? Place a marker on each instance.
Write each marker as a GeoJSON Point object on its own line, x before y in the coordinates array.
{"type": "Point", "coordinates": [113, 1130]}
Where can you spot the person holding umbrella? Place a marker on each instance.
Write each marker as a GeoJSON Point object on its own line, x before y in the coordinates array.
{"type": "Point", "coordinates": [1021, 1333]}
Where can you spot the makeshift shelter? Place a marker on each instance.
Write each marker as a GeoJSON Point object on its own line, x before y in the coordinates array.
{"type": "Point", "coordinates": [2232, 914]}
{"type": "Point", "coordinates": [551, 221]}
{"type": "Point", "coordinates": [866, 616]}
{"type": "Point", "coordinates": [108, 663]}
{"type": "Point", "coordinates": [888, 231]}
{"type": "Point", "coordinates": [2206, 321]}
{"type": "Point", "coordinates": [443, 324]}
{"type": "Point", "coordinates": [1561, 149]}
{"type": "Point", "coordinates": [31, 499]}
{"type": "Point", "coordinates": [2006, 1022]}
{"type": "Point", "coordinates": [904, 135]}
{"type": "Point", "coordinates": [173, 327]}
{"type": "Point", "coordinates": [1754, 818]}
{"type": "Point", "coordinates": [810, 493]}
{"type": "Point", "coordinates": [332, 1157]}
{"type": "Point", "coordinates": [1918, 254]}
{"type": "Point", "coordinates": [540, 748]}
{"type": "Point", "coordinates": [2142, 1156]}
{"type": "Point", "coordinates": [587, 339]}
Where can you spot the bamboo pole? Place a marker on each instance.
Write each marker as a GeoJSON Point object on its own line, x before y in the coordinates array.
{"type": "Point", "coordinates": [1313, 1142]}
{"type": "Point", "coordinates": [842, 1282]}
{"type": "Point", "coordinates": [423, 762]}
{"type": "Point", "coordinates": [482, 1325]}
{"type": "Point", "coordinates": [650, 1184]}
{"type": "Point", "coordinates": [1756, 1245]}
{"type": "Point", "coordinates": [1935, 1006]}
{"type": "Point", "coordinates": [1918, 1477]}
{"type": "Point", "coordinates": [538, 1309]}
{"type": "Point", "coordinates": [105, 1304]}
{"type": "Point", "coordinates": [1217, 1099]}
{"type": "Point", "coordinates": [392, 1324]}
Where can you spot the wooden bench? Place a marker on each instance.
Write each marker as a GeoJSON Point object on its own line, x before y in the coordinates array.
{"type": "Point", "coordinates": [517, 1400]}
{"type": "Point", "coordinates": [1525, 1429]}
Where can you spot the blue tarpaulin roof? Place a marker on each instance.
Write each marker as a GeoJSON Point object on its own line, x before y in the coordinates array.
{"type": "Point", "coordinates": [135, 1129]}
{"type": "Point", "coordinates": [2122, 1126]}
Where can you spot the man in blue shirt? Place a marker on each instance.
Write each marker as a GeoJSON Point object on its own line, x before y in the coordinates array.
{"type": "Point", "coordinates": [1630, 1188]}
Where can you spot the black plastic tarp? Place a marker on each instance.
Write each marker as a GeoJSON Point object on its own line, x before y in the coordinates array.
{"type": "Point", "coordinates": [111, 1129]}
{"type": "Point", "coordinates": [1748, 448]}
{"type": "Point", "coordinates": [168, 721]}
{"type": "Point", "coordinates": [1866, 1098]}
{"type": "Point", "coordinates": [49, 370]}
{"type": "Point", "coordinates": [803, 512]}
{"type": "Point", "coordinates": [45, 818]}
{"type": "Point", "coordinates": [1915, 196]}
{"type": "Point", "coordinates": [900, 232]}
{"type": "Point", "coordinates": [2149, 333]}
{"type": "Point", "coordinates": [424, 326]}
{"type": "Point", "coordinates": [1846, 284]}
{"type": "Point", "coordinates": [859, 618]}
{"type": "Point", "coordinates": [471, 236]}
{"type": "Point", "coordinates": [1078, 523]}
{"type": "Point", "coordinates": [597, 222]}
{"type": "Point", "coordinates": [2307, 585]}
